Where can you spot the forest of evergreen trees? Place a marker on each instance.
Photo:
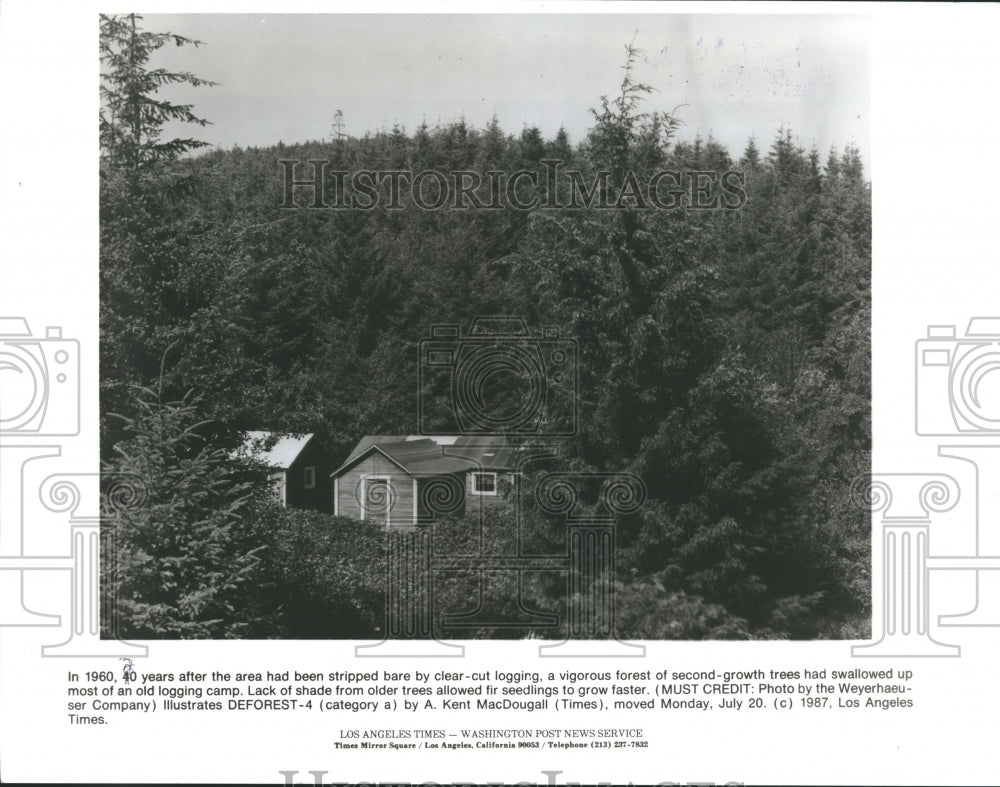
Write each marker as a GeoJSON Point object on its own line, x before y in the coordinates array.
{"type": "Point", "coordinates": [724, 359]}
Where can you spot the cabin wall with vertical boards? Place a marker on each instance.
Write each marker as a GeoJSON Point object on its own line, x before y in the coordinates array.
{"type": "Point", "coordinates": [349, 489]}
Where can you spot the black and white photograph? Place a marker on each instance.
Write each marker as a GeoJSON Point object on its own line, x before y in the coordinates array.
{"type": "Point", "coordinates": [579, 303]}
{"type": "Point", "coordinates": [522, 393]}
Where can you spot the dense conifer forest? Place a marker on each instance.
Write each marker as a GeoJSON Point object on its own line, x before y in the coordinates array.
{"type": "Point", "coordinates": [724, 358]}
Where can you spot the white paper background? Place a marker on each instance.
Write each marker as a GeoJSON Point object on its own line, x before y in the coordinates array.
{"type": "Point", "coordinates": [934, 103]}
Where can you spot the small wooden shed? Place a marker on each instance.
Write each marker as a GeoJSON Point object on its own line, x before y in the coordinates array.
{"type": "Point", "coordinates": [299, 465]}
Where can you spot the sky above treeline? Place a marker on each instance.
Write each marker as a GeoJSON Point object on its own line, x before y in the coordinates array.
{"type": "Point", "coordinates": [283, 76]}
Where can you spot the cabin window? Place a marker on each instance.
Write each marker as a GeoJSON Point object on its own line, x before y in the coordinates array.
{"type": "Point", "coordinates": [310, 478]}
{"type": "Point", "coordinates": [484, 483]}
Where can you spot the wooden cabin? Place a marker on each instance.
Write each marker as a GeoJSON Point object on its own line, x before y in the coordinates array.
{"type": "Point", "coordinates": [409, 480]}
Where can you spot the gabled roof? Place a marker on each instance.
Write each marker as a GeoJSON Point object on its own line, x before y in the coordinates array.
{"type": "Point", "coordinates": [282, 454]}
{"type": "Point", "coordinates": [428, 456]}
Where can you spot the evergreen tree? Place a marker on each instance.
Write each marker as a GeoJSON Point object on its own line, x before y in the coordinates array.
{"type": "Point", "coordinates": [132, 117]}
{"type": "Point", "coordinates": [142, 234]}
{"type": "Point", "coordinates": [183, 562]}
